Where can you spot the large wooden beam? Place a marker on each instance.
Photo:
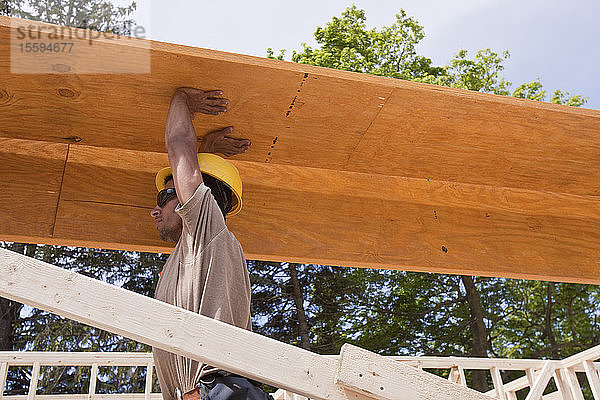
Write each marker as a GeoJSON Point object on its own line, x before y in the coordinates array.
{"type": "Point", "coordinates": [345, 169]}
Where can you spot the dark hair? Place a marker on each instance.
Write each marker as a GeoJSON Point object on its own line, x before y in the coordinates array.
{"type": "Point", "coordinates": [219, 189]}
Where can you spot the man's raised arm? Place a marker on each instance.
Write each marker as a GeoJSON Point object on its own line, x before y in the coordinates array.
{"type": "Point", "coordinates": [180, 136]}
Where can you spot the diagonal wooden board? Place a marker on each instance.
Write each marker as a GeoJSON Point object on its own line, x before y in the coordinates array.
{"type": "Point", "coordinates": [345, 169]}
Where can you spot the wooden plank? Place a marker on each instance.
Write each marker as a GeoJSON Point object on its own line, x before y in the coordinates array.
{"type": "Point", "coordinates": [453, 376]}
{"type": "Point", "coordinates": [373, 375]}
{"type": "Point", "coordinates": [171, 328]}
{"type": "Point", "coordinates": [590, 354]}
{"type": "Point", "coordinates": [443, 138]}
{"type": "Point", "coordinates": [323, 214]}
{"type": "Point", "coordinates": [562, 385]}
{"type": "Point", "coordinates": [573, 383]}
{"type": "Point", "coordinates": [462, 379]}
{"type": "Point", "coordinates": [149, 380]}
{"type": "Point", "coordinates": [67, 358]}
{"type": "Point", "coordinates": [3, 374]}
{"type": "Point", "coordinates": [498, 384]}
{"type": "Point", "coordinates": [506, 364]}
{"type": "Point", "coordinates": [541, 381]}
{"type": "Point", "coordinates": [93, 381]}
{"type": "Point", "coordinates": [398, 232]}
{"type": "Point", "coordinates": [592, 375]}
{"type": "Point", "coordinates": [33, 382]}
{"type": "Point", "coordinates": [455, 132]}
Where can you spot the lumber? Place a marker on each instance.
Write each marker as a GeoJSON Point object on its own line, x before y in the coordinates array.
{"type": "Point", "coordinates": [183, 332]}
{"type": "Point", "coordinates": [381, 378]}
{"type": "Point", "coordinates": [396, 222]}
{"type": "Point", "coordinates": [345, 169]}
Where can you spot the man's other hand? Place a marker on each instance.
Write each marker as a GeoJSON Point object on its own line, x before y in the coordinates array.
{"type": "Point", "coordinates": [218, 142]}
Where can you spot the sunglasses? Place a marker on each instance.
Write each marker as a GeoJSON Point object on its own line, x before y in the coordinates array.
{"type": "Point", "coordinates": [164, 195]}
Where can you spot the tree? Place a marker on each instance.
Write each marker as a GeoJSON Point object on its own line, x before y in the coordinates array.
{"type": "Point", "coordinates": [347, 44]}
{"type": "Point", "coordinates": [96, 15]}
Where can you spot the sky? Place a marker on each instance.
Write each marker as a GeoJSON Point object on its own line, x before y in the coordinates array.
{"type": "Point", "coordinates": [555, 41]}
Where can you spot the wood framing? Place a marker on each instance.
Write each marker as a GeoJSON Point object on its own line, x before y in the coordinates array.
{"type": "Point", "coordinates": [192, 335]}
{"type": "Point", "coordinates": [345, 169]}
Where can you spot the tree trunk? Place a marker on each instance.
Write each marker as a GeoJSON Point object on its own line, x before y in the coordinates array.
{"type": "Point", "coordinates": [478, 332]}
{"type": "Point", "coordinates": [549, 333]}
{"type": "Point", "coordinates": [10, 310]}
{"type": "Point", "coordinates": [299, 302]}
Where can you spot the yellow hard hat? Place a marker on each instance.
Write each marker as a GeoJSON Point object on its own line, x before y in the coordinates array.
{"type": "Point", "coordinates": [218, 168]}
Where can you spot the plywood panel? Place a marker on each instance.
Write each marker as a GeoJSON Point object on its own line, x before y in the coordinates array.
{"type": "Point", "coordinates": [112, 176]}
{"type": "Point", "coordinates": [30, 179]}
{"type": "Point", "coordinates": [329, 115]}
{"type": "Point", "coordinates": [347, 219]}
{"type": "Point", "coordinates": [343, 218]}
{"type": "Point", "coordinates": [475, 141]}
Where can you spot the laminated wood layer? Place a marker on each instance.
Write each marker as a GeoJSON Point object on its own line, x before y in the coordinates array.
{"type": "Point", "coordinates": [342, 218]}
{"type": "Point", "coordinates": [302, 115]}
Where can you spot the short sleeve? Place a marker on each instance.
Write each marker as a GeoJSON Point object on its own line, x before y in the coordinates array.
{"type": "Point", "coordinates": [202, 219]}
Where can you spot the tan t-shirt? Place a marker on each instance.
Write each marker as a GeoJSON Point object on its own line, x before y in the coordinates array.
{"type": "Point", "coordinates": [206, 273]}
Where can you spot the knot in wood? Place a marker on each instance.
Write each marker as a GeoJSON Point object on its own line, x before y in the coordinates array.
{"type": "Point", "coordinates": [65, 92]}
{"type": "Point", "coordinates": [62, 68]}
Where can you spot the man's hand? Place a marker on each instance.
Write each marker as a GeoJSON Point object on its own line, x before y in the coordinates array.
{"type": "Point", "coordinates": [218, 142]}
{"type": "Point", "coordinates": [203, 101]}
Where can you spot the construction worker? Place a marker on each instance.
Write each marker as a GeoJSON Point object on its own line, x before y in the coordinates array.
{"type": "Point", "coordinates": [206, 272]}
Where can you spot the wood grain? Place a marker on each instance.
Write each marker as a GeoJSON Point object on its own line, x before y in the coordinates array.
{"type": "Point", "coordinates": [337, 120]}
{"type": "Point", "coordinates": [482, 142]}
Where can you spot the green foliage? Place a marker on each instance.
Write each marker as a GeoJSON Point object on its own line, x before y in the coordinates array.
{"type": "Point", "coordinates": [346, 43]}
{"type": "Point", "coordinates": [562, 97]}
{"type": "Point", "coordinates": [532, 91]}
{"type": "Point", "coordinates": [481, 74]}
{"type": "Point", "coordinates": [97, 15]}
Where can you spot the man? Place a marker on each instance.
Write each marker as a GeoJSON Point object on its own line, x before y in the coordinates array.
{"type": "Point", "coordinates": [206, 272]}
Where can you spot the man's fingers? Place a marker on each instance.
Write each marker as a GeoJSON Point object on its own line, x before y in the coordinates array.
{"type": "Point", "coordinates": [212, 93]}
{"type": "Point", "coordinates": [209, 111]}
{"type": "Point", "coordinates": [222, 132]}
{"type": "Point", "coordinates": [213, 110]}
{"type": "Point", "coordinates": [242, 144]}
{"type": "Point", "coordinates": [216, 102]}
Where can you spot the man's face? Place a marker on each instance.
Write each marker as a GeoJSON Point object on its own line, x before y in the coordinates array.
{"type": "Point", "coordinates": [168, 223]}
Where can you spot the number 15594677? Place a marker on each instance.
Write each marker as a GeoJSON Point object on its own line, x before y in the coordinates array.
{"type": "Point", "coordinates": [41, 47]}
